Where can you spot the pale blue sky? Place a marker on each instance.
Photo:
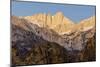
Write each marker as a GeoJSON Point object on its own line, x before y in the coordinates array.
{"type": "Point", "coordinates": [74, 12]}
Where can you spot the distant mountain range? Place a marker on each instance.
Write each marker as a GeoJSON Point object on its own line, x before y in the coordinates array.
{"type": "Point", "coordinates": [54, 28]}
{"type": "Point", "coordinates": [59, 22]}
{"type": "Point", "coordinates": [44, 29]}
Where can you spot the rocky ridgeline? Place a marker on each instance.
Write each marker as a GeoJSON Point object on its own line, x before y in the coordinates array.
{"type": "Point", "coordinates": [39, 41]}
{"type": "Point", "coordinates": [71, 39]}
{"type": "Point", "coordinates": [58, 22]}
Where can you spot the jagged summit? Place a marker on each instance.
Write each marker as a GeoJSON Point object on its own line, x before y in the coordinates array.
{"type": "Point", "coordinates": [65, 33]}
{"type": "Point", "coordinates": [57, 22]}
{"type": "Point", "coordinates": [43, 39]}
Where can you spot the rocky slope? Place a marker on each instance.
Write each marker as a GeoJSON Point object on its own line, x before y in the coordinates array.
{"type": "Point", "coordinates": [43, 39]}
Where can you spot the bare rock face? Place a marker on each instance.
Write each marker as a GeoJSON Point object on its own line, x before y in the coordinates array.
{"type": "Point", "coordinates": [46, 39]}
{"type": "Point", "coordinates": [58, 22]}
{"type": "Point", "coordinates": [86, 24]}
{"type": "Point", "coordinates": [55, 29]}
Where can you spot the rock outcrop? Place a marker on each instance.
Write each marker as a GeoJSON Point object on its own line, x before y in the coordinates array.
{"type": "Point", "coordinates": [58, 22]}
{"type": "Point", "coordinates": [46, 39]}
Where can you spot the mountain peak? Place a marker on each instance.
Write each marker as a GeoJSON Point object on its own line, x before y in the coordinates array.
{"type": "Point", "coordinates": [54, 33]}
{"type": "Point", "coordinates": [59, 23]}
{"type": "Point", "coordinates": [59, 13]}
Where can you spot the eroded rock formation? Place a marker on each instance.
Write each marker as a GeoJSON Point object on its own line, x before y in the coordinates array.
{"type": "Point", "coordinates": [46, 39]}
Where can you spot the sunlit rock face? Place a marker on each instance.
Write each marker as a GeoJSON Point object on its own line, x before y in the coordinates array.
{"type": "Point", "coordinates": [44, 39]}
{"type": "Point", "coordinates": [57, 22]}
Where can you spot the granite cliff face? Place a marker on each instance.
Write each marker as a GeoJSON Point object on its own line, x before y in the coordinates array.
{"type": "Point", "coordinates": [58, 22]}
{"type": "Point", "coordinates": [46, 39]}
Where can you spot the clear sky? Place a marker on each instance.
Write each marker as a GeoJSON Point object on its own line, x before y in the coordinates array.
{"type": "Point", "coordinates": [74, 12]}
